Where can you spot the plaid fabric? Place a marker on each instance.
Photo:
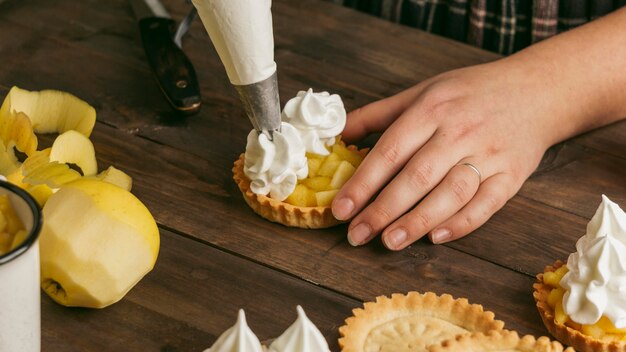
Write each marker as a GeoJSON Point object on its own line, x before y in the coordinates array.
{"type": "Point", "coordinates": [503, 26]}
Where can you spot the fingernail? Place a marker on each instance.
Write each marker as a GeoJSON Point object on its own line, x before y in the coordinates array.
{"type": "Point", "coordinates": [343, 208]}
{"type": "Point", "coordinates": [395, 238]}
{"type": "Point", "coordinates": [440, 236]}
{"type": "Point", "coordinates": [359, 234]}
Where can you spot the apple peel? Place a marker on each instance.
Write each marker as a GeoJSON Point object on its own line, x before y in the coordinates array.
{"type": "Point", "coordinates": [17, 128]}
{"type": "Point", "coordinates": [39, 169]}
{"type": "Point", "coordinates": [8, 161]}
{"type": "Point", "coordinates": [51, 110]}
{"type": "Point", "coordinates": [115, 176]}
{"type": "Point", "coordinates": [72, 147]}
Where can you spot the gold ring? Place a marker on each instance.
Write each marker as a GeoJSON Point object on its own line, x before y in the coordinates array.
{"type": "Point", "coordinates": [480, 177]}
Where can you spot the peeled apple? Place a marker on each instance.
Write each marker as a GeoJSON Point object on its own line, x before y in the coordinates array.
{"type": "Point", "coordinates": [97, 241]}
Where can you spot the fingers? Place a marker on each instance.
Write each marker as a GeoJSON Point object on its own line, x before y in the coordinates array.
{"type": "Point", "coordinates": [377, 116]}
{"type": "Point", "coordinates": [422, 173]}
{"type": "Point", "coordinates": [491, 196]}
{"type": "Point", "coordinates": [453, 193]}
{"type": "Point", "coordinates": [392, 151]}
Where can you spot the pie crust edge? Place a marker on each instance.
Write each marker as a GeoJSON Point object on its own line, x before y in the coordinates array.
{"type": "Point", "coordinates": [457, 311]}
{"type": "Point", "coordinates": [281, 212]}
{"type": "Point", "coordinates": [499, 339]}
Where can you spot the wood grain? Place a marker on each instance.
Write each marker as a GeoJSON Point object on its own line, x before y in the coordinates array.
{"type": "Point", "coordinates": [211, 209]}
{"type": "Point", "coordinates": [188, 300]}
{"type": "Point", "coordinates": [216, 254]}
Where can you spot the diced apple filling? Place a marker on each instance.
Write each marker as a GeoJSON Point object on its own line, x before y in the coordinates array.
{"type": "Point", "coordinates": [326, 176]}
{"type": "Point", "coordinates": [12, 231]}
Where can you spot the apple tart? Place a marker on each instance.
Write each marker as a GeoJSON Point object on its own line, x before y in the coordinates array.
{"type": "Point", "coordinates": [548, 294]}
{"type": "Point", "coordinates": [412, 322]}
{"type": "Point", "coordinates": [308, 206]}
{"type": "Point", "coordinates": [582, 303]}
{"type": "Point", "coordinates": [503, 340]}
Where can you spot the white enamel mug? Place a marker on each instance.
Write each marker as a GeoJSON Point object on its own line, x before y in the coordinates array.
{"type": "Point", "coordinates": [20, 306]}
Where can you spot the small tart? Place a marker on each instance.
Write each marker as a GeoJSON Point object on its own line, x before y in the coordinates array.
{"type": "Point", "coordinates": [281, 212]}
{"type": "Point", "coordinates": [566, 334]}
{"type": "Point", "coordinates": [412, 322]}
{"type": "Point", "coordinates": [502, 341]}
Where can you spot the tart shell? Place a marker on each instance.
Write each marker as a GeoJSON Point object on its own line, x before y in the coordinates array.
{"type": "Point", "coordinates": [567, 335]}
{"type": "Point", "coordinates": [458, 312]}
{"type": "Point", "coordinates": [503, 340]}
{"type": "Point", "coordinates": [281, 212]}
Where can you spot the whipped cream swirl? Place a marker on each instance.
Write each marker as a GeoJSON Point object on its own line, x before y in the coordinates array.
{"type": "Point", "coordinates": [274, 166]}
{"type": "Point", "coordinates": [238, 338]}
{"type": "Point", "coordinates": [319, 117]}
{"type": "Point", "coordinates": [595, 283]}
{"type": "Point", "coordinates": [301, 336]}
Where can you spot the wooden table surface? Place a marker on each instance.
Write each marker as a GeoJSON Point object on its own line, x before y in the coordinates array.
{"type": "Point", "coordinates": [218, 256]}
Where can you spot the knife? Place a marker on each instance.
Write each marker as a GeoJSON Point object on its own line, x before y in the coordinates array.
{"type": "Point", "coordinates": [174, 72]}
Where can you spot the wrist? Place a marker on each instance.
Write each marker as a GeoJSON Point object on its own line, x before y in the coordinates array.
{"type": "Point", "coordinates": [578, 77]}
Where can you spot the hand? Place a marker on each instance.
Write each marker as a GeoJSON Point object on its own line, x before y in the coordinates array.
{"type": "Point", "coordinates": [498, 117]}
{"type": "Point", "coordinates": [494, 117]}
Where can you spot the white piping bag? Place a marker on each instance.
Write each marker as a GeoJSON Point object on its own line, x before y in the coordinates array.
{"type": "Point", "coordinates": [241, 31]}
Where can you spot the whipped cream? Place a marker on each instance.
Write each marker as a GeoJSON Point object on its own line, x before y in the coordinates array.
{"type": "Point", "coordinates": [301, 336]}
{"type": "Point", "coordinates": [595, 283]}
{"type": "Point", "coordinates": [311, 121]}
{"type": "Point", "coordinates": [241, 31]}
{"type": "Point", "coordinates": [319, 117]}
{"type": "Point", "coordinates": [238, 338]}
{"type": "Point", "coordinates": [274, 166]}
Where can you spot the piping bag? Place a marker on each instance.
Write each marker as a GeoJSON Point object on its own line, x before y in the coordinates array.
{"type": "Point", "coordinates": [242, 33]}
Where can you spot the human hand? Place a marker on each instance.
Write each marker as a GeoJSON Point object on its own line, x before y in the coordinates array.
{"type": "Point", "coordinates": [455, 148]}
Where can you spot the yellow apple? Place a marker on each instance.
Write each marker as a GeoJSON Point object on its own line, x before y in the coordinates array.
{"type": "Point", "coordinates": [97, 241]}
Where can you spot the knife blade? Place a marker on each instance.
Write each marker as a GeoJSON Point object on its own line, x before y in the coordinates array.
{"type": "Point", "coordinates": [173, 70]}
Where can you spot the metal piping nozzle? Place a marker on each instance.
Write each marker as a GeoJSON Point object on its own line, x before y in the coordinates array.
{"type": "Point", "coordinates": [262, 104]}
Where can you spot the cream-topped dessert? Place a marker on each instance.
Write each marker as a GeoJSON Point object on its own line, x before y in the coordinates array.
{"type": "Point", "coordinates": [595, 284]}
{"type": "Point", "coordinates": [583, 303]}
{"type": "Point", "coordinates": [274, 166]}
{"type": "Point", "coordinates": [311, 123]}
{"type": "Point", "coordinates": [319, 117]}
{"type": "Point", "coordinates": [238, 338]}
{"type": "Point", "coordinates": [293, 177]}
{"type": "Point", "coordinates": [301, 336]}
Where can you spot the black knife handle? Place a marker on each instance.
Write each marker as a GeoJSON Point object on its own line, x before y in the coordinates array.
{"type": "Point", "coordinates": [173, 70]}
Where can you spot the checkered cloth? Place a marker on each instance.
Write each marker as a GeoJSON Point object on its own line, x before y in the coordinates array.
{"type": "Point", "coordinates": [503, 26]}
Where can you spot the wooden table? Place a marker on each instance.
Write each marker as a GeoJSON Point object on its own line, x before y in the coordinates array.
{"type": "Point", "coordinates": [216, 255]}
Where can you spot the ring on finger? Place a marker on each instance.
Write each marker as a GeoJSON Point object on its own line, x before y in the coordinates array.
{"type": "Point", "coordinates": [475, 169]}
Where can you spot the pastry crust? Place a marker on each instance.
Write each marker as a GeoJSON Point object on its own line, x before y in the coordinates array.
{"type": "Point", "coordinates": [281, 212]}
{"type": "Point", "coordinates": [503, 340]}
{"type": "Point", "coordinates": [564, 333]}
{"type": "Point", "coordinates": [412, 322]}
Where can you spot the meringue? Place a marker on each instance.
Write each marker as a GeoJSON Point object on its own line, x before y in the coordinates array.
{"type": "Point", "coordinates": [238, 338]}
{"type": "Point", "coordinates": [301, 336]}
{"type": "Point", "coordinates": [311, 123]}
{"type": "Point", "coordinates": [274, 166]}
{"type": "Point", "coordinates": [319, 117]}
{"type": "Point", "coordinates": [595, 283]}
